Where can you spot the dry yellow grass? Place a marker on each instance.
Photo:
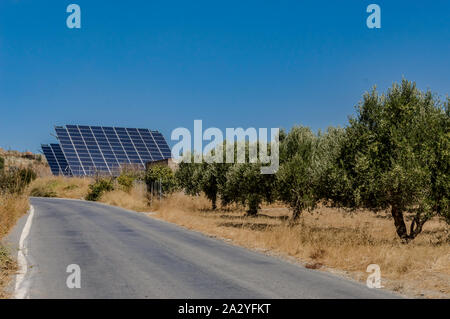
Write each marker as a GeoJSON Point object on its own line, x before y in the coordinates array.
{"type": "Point", "coordinates": [134, 200]}
{"type": "Point", "coordinates": [330, 239]}
{"type": "Point", "coordinates": [59, 186]}
{"type": "Point", "coordinates": [12, 207]}
{"type": "Point", "coordinates": [8, 267]}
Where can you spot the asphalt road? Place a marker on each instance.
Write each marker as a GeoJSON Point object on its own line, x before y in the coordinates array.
{"type": "Point", "coordinates": [123, 254]}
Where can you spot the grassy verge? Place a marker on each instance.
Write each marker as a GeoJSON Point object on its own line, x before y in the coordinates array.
{"type": "Point", "coordinates": [326, 239]}
{"type": "Point", "coordinates": [60, 187]}
{"type": "Point", "coordinates": [12, 207]}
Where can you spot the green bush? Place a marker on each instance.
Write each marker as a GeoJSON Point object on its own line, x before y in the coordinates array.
{"type": "Point", "coordinates": [126, 182]}
{"type": "Point", "coordinates": [99, 187]}
{"type": "Point", "coordinates": [163, 176]}
{"type": "Point", "coordinates": [2, 164]}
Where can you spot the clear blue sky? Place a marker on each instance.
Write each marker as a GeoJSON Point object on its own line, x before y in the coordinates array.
{"type": "Point", "coordinates": [162, 64]}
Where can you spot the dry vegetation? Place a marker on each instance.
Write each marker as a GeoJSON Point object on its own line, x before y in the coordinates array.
{"type": "Point", "coordinates": [7, 268]}
{"type": "Point", "coordinates": [59, 186]}
{"type": "Point", "coordinates": [326, 239]}
{"type": "Point", "coordinates": [13, 206]}
{"type": "Point", "coordinates": [26, 159]}
{"type": "Point", "coordinates": [135, 200]}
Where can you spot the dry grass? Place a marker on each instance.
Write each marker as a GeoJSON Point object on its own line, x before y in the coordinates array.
{"type": "Point", "coordinates": [77, 188]}
{"type": "Point", "coordinates": [330, 239]}
{"type": "Point", "coordinates": [59, 186]}
{"type": "Point", "coordinates": [8, 267]}
{"type": "Point", "coordinates": [12, 207]}
{"type": "Point", "coordinates": [134, 200]}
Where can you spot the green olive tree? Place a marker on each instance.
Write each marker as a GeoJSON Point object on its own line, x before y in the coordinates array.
{"type": "Point", "coordinates": [297, 177]}
{"type": "Point", "coordinates": [247, 186]}
{"type": "Point", "coordinates": [396, 155]}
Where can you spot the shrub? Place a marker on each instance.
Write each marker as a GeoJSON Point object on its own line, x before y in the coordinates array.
{"type": "Point", "coordinates": [162, 176]}
{"type": "Point", "coordinates": [15, 180]}
{"type": "Point", "coordinates": [2, 164]}
{"type": "Point", "coordinates": [99, 187]}
{"type": "Point", "coordinates": [126, 182]}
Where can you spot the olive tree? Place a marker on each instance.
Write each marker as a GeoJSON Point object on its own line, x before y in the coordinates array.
{"type": "Point", "coordinates": [205, 177]}
{"type": "Point", "coordinates": [395, 155]}
{"type": "Point", "coordinates": [247, 186]}
{"type": "Point", "coordinates": [186, 176]}
{"type": "Point", "coordinates": [333, 184]}
{"type": "Point", "coordinates": [297, 177]}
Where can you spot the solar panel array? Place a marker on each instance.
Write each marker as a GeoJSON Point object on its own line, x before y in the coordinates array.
{"type": "Point", "coordinates": [56, 160]}
{"type": "Point", "coordinates": [89, 150]}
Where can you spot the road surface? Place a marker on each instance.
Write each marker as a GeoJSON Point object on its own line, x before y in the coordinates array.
{"type": "Point", "coordinates": [122, 254]}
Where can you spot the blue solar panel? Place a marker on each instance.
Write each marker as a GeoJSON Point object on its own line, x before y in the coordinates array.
{"type": "Point", "coordinates": [151, 144]}
{"type": "Point", "coordinates": [56, 159]}
{"type": "Point", "coordinates": [88, 150]}
{"type": "Point", "coordinates": [51, 159]}
{"type": "Point", "coordinates": [61, 159]}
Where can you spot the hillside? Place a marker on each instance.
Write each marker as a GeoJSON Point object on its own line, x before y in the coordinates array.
{"type": "Point", "coordinates": [26, 159]}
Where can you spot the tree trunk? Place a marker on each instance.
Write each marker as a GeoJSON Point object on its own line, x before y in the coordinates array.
{"type": "Point", "coordinates": [296, 214]}
{"type": "Point", "coordinates": [253, 208]}
{"type": "Point", "coordinates": [214, 202]}
{"type": "Point", "coordinates": [399, 222]}
{"type": "Point", "coordinates": [400, 226]}
{"type": "Point", "coordinates": [416, 226]}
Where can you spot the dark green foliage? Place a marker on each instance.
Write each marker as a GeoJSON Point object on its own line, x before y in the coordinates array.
{"type": "Point", "coordinates": [2, 164]}
{"type": "Point", "coordinates": [99, 187]}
